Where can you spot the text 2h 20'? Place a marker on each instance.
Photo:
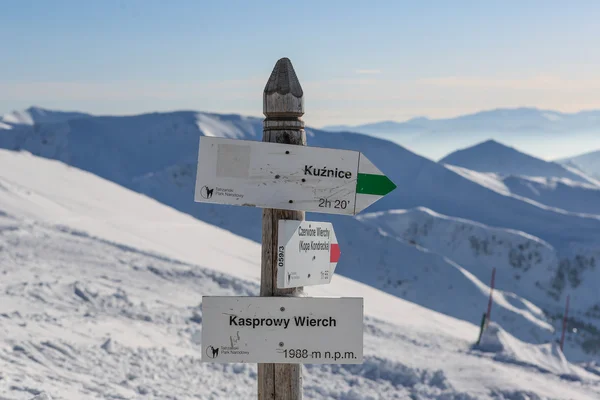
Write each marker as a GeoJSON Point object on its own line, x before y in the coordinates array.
{"type": "Point", "coordinates": [325, 203]}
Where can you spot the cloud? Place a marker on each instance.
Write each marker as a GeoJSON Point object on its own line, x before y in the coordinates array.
{"type": "Point", "coordinates": [367, 71]}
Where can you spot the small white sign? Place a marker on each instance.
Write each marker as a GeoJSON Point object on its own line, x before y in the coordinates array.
{"type": "Point", "coordinates": [289, 330]}
{"type": "Point", "coordinates": [307, 253]}
{"type": "Point", "coordinates": [287, 177]}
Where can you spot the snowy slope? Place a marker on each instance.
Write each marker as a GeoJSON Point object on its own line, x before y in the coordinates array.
{"type": "Point", "coordinates": [42, 396]}
{"type": "Point", "coordinates": [395, 267]}
{"type": "Point", "coordinates": [492, 156]}
{"type": "Point", "coordinates": [120, 148]}
{"type": "Point", "coordinates": [522, 259]}
{"type": "Point", "coordinates": [505, 348]}
{"type": "Point", "coordinates": [83, 318]}
{"type": "Point", "coordinates": [526, 266]}
{"type": "Point", "coordinates": [559, 193]}
{"type": "Point", "coordinates": [36, 115]}
{"type": "Point", "coordinates": [90, 309]}
{"type": "Point", "coordinates": [588, 162]}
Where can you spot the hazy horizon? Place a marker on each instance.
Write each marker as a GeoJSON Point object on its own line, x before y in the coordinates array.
{"type": "Point", "coordinates": [435, 147]}
{"type": "Point", "coordinates": [125, 114]}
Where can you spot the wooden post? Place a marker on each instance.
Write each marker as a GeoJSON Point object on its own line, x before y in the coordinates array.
{"type": "Point", "coordinates": [283, 105]}
{"type": "Point", "coordinates": [564, 325]}
{"type": "Point", "coordinates": [491, 300]}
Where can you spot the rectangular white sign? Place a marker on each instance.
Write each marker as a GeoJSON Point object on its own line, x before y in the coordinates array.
{"type": "Point", "coordinates": [307, 253]}
{"type": "Point", "coordinates": [290, 330]}
{"type": "Point", "coordinates": [287, 177]}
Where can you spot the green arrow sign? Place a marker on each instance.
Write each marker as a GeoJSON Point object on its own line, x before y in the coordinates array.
{"type": "Point", "coordinates": [273, 175]}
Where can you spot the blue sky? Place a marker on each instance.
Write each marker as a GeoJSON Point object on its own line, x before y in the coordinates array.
{"type": "Point", "coordinates": [357, 61]}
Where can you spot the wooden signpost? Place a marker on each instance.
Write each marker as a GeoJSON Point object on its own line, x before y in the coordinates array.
{"type": "Point", "coordinates": [280, 329]}
{"type": "Point", "coordinates": [314, 179]}
{"type": "Point", "coordinates": [307, 253]}
{"type": "Point", "coordinates": [283, 105]}
{"type": "Point", "coordinates": [258, 329]}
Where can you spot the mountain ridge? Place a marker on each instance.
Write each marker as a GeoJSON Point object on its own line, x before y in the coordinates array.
{"type": "Point", "coordinates": [537, 114]}
{"type": "Point", "coordinates": [546, 134]}
{"type": "Point", "coordinates": [156, 155]}
{"type": "Point", "coordinates": [35, 115]}
{"type": "Point", "coordinates": [139, 148]}
{"type": "Point", "coordinates": [587, 162]}
{"type": "Point", "coordinates": [495, 157]}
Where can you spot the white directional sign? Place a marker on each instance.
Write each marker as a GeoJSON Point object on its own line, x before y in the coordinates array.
{"type": "Point", "coordinates": [307, 253]}
{"type": "Point", "coordinates": [273, 175]}
{"type": "Point", "coordinates": [289, 330]}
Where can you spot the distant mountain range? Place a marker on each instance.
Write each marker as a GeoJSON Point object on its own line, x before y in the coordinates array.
{"type": "Point", "coordinates": [543, 133]}
{"type": "Point", "coordinates": [504, 119]}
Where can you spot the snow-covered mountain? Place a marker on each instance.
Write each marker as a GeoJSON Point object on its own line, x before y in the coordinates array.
{"type": "Point", "coordinates": [554, 192]}
{"type": "Point", "coordinates": [37, 115]}
{"type": "Point", "coordinates": [156, 154]}
{"type": "Point", "coordinates": [510, 171]}
{"type": "Point", "coordinates": [539, 132]}
{"type": "Point", "coordinates": [557, 192]}
{"type": "Point", "coordinates": [101, 291]}
{"type": "Point", "coordinates": [588, 163]}
{"type": "Point", "coordinates": [492, 156]}
{"type": "Point", "coordinates": [524, 263]}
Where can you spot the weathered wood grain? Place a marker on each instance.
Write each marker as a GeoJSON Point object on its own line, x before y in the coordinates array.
{"type": "Point", "coordinates": [283, 105]}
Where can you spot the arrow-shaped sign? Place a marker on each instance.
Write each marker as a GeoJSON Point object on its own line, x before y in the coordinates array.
{"type": "Point", "coordinates": [287, 177]}
{"type": "Point", "coordinates": [307, 253]}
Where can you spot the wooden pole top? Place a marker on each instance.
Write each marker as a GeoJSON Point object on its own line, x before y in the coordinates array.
{"type": "Point", "coordinates": [283, 105]}
{"type": "Point", "coordinates": [283, 95]}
